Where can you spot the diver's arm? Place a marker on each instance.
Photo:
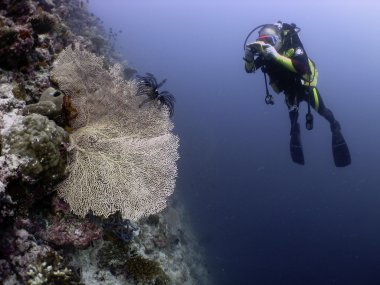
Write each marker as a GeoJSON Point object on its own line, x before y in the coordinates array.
{"type": "Point", "coordinates": [297, 63]}
{"type": "Point", "coordinates": [300, 61]}
{"type": "Point", "coordinates": [286, 62]}
{"type": "Point", "coordinates": [271, 53]}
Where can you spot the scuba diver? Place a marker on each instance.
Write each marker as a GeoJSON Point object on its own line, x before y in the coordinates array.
{"type": "Point", "coordinates": [279, 52]}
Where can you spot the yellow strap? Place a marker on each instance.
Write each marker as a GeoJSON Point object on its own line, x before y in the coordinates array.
{"type": "Point", "coordinates": [311, 80]}
{"type": "Point", "coordinates": [316, 100]}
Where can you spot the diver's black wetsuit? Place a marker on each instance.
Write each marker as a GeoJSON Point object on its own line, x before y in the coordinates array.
{"type": "Point", "coordinates": [294, 87]}
{"type": "Point", "coordinates": [292, 72]}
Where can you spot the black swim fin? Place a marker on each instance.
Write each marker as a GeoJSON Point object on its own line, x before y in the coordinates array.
{"type": "Point", "coordinates": [296, 150]}
{"type": "Point", "coordinates": [340, 150]}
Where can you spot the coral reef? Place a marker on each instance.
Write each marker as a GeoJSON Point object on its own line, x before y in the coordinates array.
{"type": "Point", "coordinates": [16, 43]}
{"type": "Point", "coordinates": [18, 9]}
{"type": "Point", "coordinates": [113, 256]}
{"type": "Point", "coordinates": [50, 105]}
{"type": "Point", "coordinates": [41, 240]}
{"type": "Point", "coordinates": [145, 270]}
{"type": "Point", "coordinates": [41, 143]}
{"type": "Point", "coordinates": [50, 269]}
{"type": "Point", "coordinates": [70, 231]}
{"type": "Point", "coordinates": [29, 248]}
{"type": "Point", "coordinates": [33, 32]}
{"type": "Point", "coordinates": [115, 228]}
{"type": "Point", "coordinates": [160, 253]}
{"type": "Point", "coordinates": [6, 205]}
{"type": "Point", "coordinates": [153, 220]}
{"type": "Point", "coordinates": [43, 22]}
{"type": "Point", "coordinates": [19, 249]}
{"type": "Point", "coordinates": [172, 245]}
{"type": "Point", "coordinates": [10, 113]}
{"type": "Point", "coordinates": [59, 228]}
{"type": "Point", "coordinates": [9, 105]}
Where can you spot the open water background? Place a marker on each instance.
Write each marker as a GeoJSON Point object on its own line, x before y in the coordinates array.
{"type": "Point", "coordinates": [262, 219]}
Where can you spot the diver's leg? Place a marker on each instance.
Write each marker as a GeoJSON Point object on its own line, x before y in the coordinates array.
{"type": "Point", "coordinates": [294, 125]}
{"type": "Point", "coordinates": [292, 103]}
{"type": "Point", "coordinates": [340, 149]}
{"type": "Point", "coordinates": [317, 103]}
{"type": "Point", "coordinates": [296, 151]}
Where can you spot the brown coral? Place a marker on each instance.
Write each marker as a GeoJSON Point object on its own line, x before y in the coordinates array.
{"type": "Point", "coordinates": [15, 45]}
{"type": "Point", "coordinates": [143, 269]}
{"type": "Point", "coordinates": [43, 22]}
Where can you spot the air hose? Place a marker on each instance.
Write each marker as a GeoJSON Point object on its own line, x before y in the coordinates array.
{"type": "Point", "coordinates": [250, 33]}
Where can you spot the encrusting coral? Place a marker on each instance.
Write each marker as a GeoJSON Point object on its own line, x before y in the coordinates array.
{"type": "Point", "coordinates": [43, 22]}
{"type": "Point", "coordinates": [28, 258]}
{"type": "Point", "coordinates": [124, 157]}
{"type": "Point", "coordinates": [49, 105]}
{"type": "Point", "coordinates": [117, 258]}
{"type": "Point", "coordinates": [16, 42]}
{"type": "Point", "coordinates": [51, 269]}
{"type": "Point", "coordinates": [42, 145]}
{"type": "Point", "coordinates": [10, 110]}
{"type": "Point", "coordinates": [144, 270]}
{"type": "Point", "coordinates": [70, 232]}
{"type": "Point", "coordinates": [113, 256]}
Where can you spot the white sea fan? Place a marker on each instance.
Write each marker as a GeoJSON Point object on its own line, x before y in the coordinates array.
{"type": "Point", "coordinates": [124, 157]}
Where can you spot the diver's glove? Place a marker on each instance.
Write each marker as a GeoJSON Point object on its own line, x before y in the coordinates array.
{"type": "Point", "coordinates": [249, 59]}
{"type": "Point", "coordinates": [248, 56]}
{"type": "Point", "coordinates": [270, 52]}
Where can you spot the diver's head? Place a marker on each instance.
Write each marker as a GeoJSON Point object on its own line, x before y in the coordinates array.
{"type": "Point", "coordinates": [271, 34]}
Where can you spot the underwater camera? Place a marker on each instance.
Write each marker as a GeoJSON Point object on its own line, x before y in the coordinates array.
{"type": "Point", "coordinates": [256, 48]}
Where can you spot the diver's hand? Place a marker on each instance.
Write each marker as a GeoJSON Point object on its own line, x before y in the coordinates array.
{"type": "Point", "coordinates": [257, 46]}
{"type": "Point", "coordinates": [248, 56]}
{"type": "Point", "coordinates": [269, 52]}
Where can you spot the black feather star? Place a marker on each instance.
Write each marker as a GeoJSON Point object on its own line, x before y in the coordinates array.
{"type": "Point", "coordinates": [148, 86]}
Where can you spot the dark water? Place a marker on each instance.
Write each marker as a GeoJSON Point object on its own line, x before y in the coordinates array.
{"type": "Point", "coordinates": [262, 219]}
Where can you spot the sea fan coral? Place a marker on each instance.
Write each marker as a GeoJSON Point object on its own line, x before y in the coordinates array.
{"type": "Point", "coordinates": [124, 157]}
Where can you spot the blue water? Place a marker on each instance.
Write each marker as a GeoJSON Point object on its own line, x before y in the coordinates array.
{"type": "Point", "coordinates": [262, 219]}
